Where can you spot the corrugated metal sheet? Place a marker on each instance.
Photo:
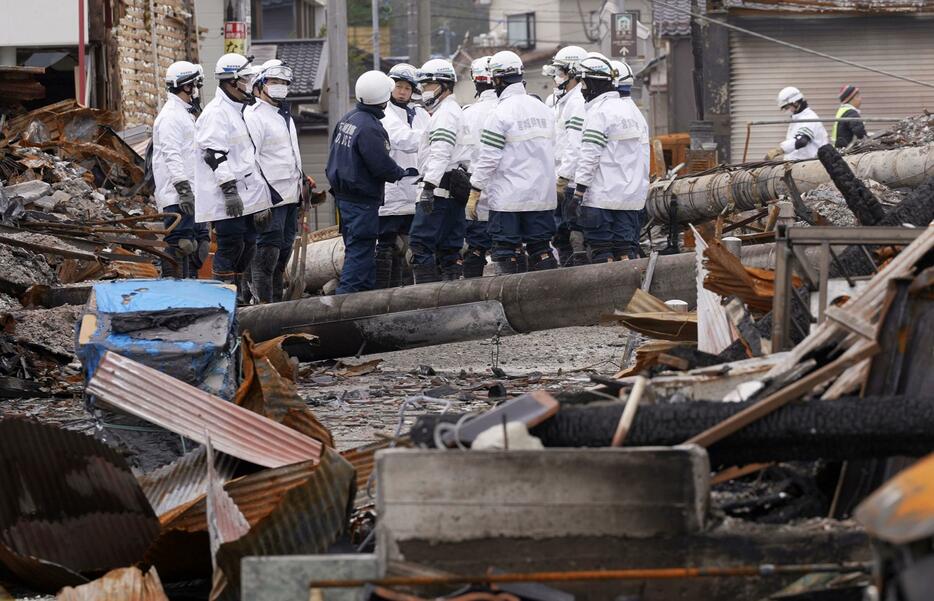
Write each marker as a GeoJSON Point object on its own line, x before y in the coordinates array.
{"type": "Point", "coordinates": [759, 69]}
{"type": "Point", "coordinates": [124, 584]}
{"type": "Point", "coordinates": [69, 504]}
{"type": "Point", "coordinates": [151, 395]}
{"type": "Point", "coordinates": [184, 479]}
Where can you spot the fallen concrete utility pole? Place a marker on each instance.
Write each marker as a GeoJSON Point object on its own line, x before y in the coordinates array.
{"type": "Point", "coordinates": [704, 197]}
{"type": "Point", "coordinates": [533, 301]}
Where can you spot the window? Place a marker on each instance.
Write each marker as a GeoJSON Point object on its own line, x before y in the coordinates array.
{"type": "Point", "coordinates": [520, 30]}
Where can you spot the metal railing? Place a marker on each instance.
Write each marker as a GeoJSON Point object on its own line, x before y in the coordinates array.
{"type": "Point", "coordinates": [750, 124]}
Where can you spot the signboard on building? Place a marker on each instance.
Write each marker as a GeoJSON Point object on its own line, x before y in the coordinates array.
{"type": "Point", "coordinates": [235, 34]}
{"type": "Point", "coordinates": [623, 36]}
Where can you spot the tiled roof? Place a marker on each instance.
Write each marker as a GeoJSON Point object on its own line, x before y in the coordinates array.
{"type": "Point", "coordinates": [308, 60]}
{"type": "Point", "coordinates": [834, 5]}
{"type": "Point", "coordinates": [671, 22]}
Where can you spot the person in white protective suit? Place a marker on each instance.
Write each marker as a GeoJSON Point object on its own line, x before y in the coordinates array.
{"type": "Point", "coordinates": [516, 171]}
{"type": "Point", "coordinates": [437, 233]}
{"type": "Point", "coordinates": [230, 191]}
{"type": "Point", "coordinates": [805, 133]}
{"type": "Point", "coordinates": [405, 123]}
{"type": "Point", "coordinates": [477, 234]}
{"type": "Point", "coordinates": [612, 177]}
{"type": "Point", "coordinates": [569, 118]}
{"type": "Point", "coordinates": [275, 137]}
{"type": "Point", "coordinates": [173, 170]}
{"type": "Point", "coordinates": [624, 81]}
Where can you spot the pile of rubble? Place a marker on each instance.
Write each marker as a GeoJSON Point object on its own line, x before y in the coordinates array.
{"type": "Point", "coordinates": [916, 130]}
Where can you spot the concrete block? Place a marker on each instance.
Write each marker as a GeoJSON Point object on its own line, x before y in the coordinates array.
{"type": "Point", "coordinates": [28, 191]}
{"type": "Point", "coordinates": [451, 496]}
{"type": "Point", "coordinates": [286, 578]}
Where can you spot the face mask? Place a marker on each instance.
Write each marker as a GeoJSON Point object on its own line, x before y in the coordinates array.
{"type": "Point", "coordinates": [561, 80]}
{"type": "Point", "coordinates": [196, 93]}
{"type": "Point", "coordinates": [429, 98]}
{"type": "Point", "coordinates": [277, 91]}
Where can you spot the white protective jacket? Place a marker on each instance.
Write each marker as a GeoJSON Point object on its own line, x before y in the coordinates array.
{"type": "Point", "coordinates": [569, 121]}
{"type": "Point", "coordinates": [614, 161]}
{"type": "Point", "coordinates": [404, 140]}
{"type": "Point", "coordinates": [173, 150]}
{"type": "Point", "coordinates": [442, 145]}
{"type": "Point", "coordinates": [814, 130]}
{"type": "Point", "coordinates": [475, 116]}
{"type": "Point", "coordinates": [277, 150]}
{"type": "Point", "coordinates": [516, 168]}
{"type": "Point", "coordinates": [221, 127]}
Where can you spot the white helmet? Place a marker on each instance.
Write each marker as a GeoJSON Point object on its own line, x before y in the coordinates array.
{"type": "Point", "coordinates": [480, 70]}
{"type": "Point", "coordinates": [232, 66]}
{"type": "Point", "coordinates": [405, 72]}
{"type": "Point", "coordinates": [596, 67]}
{"type": "Point", "coordinates": [437, 69]}
{"type": "Point", "coordinates": [623, 73]}
{"type": "Point", "coordinates": [567, 59]}
{"type": "Point", "coordinates": [788, 95]}
{"type": "Point", "coordinates": [506, 63]}
{"type": "Point", "coordinates": [182, 73]}
{"type": "Point", "coordinates": [374, 88]}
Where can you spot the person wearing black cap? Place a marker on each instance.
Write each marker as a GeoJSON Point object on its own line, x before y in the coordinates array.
{"type": "Point", "coordinates": [846, 132]}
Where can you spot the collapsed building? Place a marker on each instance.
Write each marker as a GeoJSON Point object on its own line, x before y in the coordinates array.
{"type": "Point", "coordinates": [173, 445]}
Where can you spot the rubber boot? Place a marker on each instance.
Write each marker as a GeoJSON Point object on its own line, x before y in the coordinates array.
{"type": "Point", "coordinates": [452, 271]}
{"type": "Point", "coordinates": [474, 262]}
{"type": "Point", "coordinates": [506, 266]}
{"type": "Point", "coordinates": [542, 260]}
{"type": "Point", "coordinates": [384, 258]}
{"type": "Point", "coordinates": [168, 269]}
{"type": "Point", "coordinates": [264, 266]}
{"type": "Point", "coordinates": [522, 261]}
{"type": "Point", "coordinates": [425, 273]}
{"type": "Point", "coordinates": [579, 249]}
{"type": "Point", "coordinates": [244, 288]}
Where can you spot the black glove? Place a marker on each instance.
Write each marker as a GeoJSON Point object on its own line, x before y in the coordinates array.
{"type": "Point", "coordinates": [232, 201]}
{"type": "Point", "coordinates": [186, 198]}
{"type": "Point", "coordinates": [410, 172]}
{"type": "Point", "coordinates": [427, 199]}
{"type": "Point", "coordinates": [261, 220]}
{"type": "Point", "coordinates": [574, 207]}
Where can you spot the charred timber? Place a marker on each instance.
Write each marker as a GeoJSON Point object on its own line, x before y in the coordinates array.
{"type": "Point", "coordinates": [533, 301]}
{"type": "Point", "coordinates": [842, 429]}
{"type": "Point", "coordinates": [859, 199]}
{"type": "Point", "coordinates": [748, 187]}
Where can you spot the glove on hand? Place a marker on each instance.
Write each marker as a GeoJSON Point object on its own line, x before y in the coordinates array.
{"type": "Point", "coordinates": [775, 153]}
{"type": "Point", "coordinates": [186, 198]}
{"type": "Point", "coordinates": [232, 200]}
{"type": "Point", "coordinates": [427, 199]}
{"type": "Point", "coordinates": [472, 201]}
{"type": "Point", "coordinates": [261, 220]}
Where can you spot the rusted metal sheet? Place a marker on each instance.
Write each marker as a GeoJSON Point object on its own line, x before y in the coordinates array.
{"type": "Point", "coordinates": [165, 401]}
{"type": "Point", "coordinates": [727, 276]}
{"type": "Point", "coordinates": [124, 584]}
{"type": "Point", "coordinates": [902, 510]}
{"type": "Point", "coordinates": [268, 386]}
{"type": "Point", "coordinates": [295, 509]}
{"type": "Point", "coordinates": [70, 505]}
{"type": "Point", "coordinates": [184, 479]}
{"type": "Point", "coordinates": [225, 521]}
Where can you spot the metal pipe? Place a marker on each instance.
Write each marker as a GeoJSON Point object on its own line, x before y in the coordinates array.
{"type": "Point", "coordinates": [541, 300]}
{"type": "Point", "coordinates": [753, 571]}
{"type": "Point", "coordinates": [747, 187]}
{"type": "Point", "coordinates": [749, 125]}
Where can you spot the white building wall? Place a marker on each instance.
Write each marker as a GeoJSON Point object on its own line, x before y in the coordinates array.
{"type": "Point", "coordinates": [40, 23]}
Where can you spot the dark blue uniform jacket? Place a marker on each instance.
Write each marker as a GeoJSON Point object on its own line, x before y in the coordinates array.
{"type": "Point", "coordinates": [359, 164]}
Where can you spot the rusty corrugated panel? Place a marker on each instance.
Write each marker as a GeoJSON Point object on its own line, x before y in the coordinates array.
{"type": "Point", "coordinates": [69, 505]}
{"type": "Point", "coordinates": [296, 509]}
{"type": "Point", "coordinates": [727, 276]}
{"type": "Point", "coordinates": [165, 401]}
{"type": "Point", "coordinates": [901, 511]}
{"type": "Point", "coordinates": [184, 479]}
{"type": "Point", "coordinates": [225, 522]}
{"type": "Point", "coordinates": [124, 584]}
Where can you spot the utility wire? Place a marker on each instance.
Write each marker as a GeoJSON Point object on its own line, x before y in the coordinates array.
{"type": "Point", "coordinates": [790, 45]}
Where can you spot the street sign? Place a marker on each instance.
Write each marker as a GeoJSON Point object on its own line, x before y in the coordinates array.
{"type": "Point", "coordinates": [623, 35]}
{"type": "Point", "coordinates": [235, 35]}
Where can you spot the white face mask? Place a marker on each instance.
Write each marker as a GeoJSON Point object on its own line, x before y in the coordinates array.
{"type": "Point", "coordinates": [277, 91]}
{"type": "Point", "coordinates": [196, 93]}
{"type": "Point", "coordinates": [429, 97]}
{"type": "Point", "coordinates": [560, 79]}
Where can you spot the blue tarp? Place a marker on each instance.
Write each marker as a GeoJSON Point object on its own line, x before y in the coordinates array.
{"type": "Point", "coordinates": [185, 328]}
